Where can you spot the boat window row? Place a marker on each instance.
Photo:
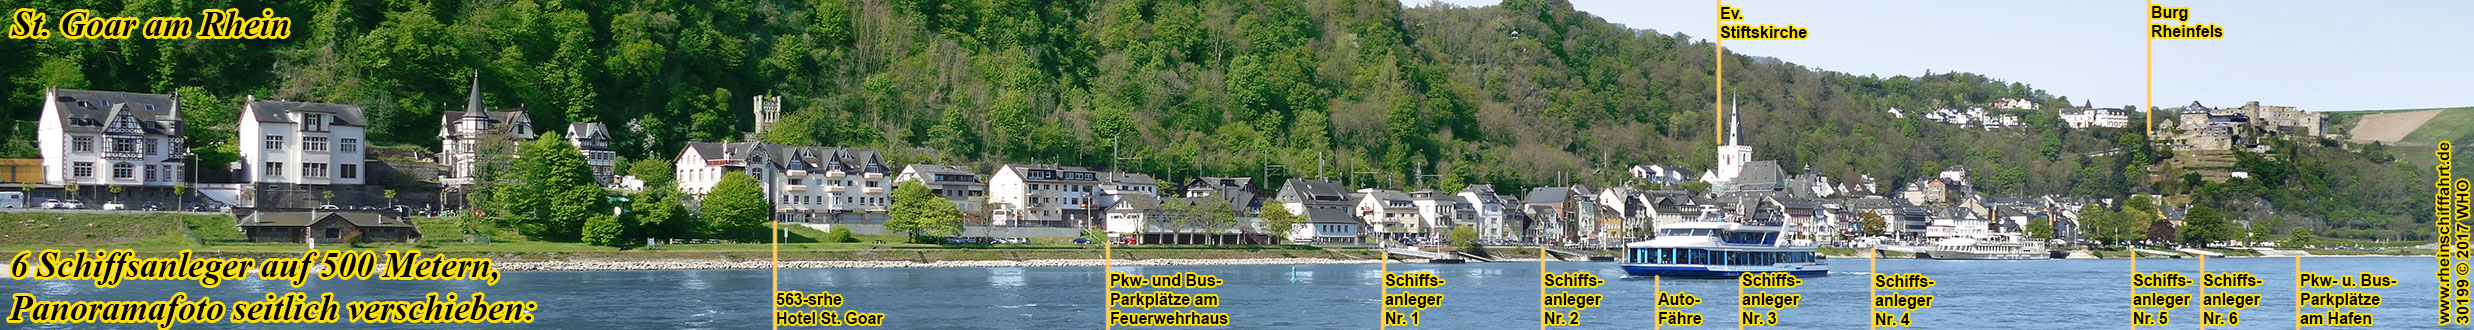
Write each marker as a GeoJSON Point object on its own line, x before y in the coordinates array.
{"type": "Point", "coordinates": [1694, 256]}
{"type": "Point", "coordinates": [1750, 237]}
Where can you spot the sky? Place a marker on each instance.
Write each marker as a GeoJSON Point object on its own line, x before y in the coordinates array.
{"type": "Point", "coordinates": [2316, 55]}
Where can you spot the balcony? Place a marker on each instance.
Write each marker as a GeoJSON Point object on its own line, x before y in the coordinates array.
{"type": "Point", "coordinates": [875, 176]}
{"type": "Point", "coordinates": [123, 155]}
{"type": "Point", "coordinates": [834, 189]}
{"type": "Point", "coordinates": [796, 189]}
{"type": "Point", "coordinates": [795, 173]}
{"type": "Point", "coordinates": [874, 190]}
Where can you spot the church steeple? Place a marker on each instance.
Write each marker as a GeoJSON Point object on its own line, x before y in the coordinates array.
{"type": "Point", "coordinates": [1735, 122]}
{"type": "Point", "coordinates": [472, 103]}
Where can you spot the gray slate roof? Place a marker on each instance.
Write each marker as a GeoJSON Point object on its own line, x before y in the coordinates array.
{"type": "Point", "coordinates": [1549, 195]}
{"type": "Point", "coordinates": [89, 110]}
{"type": "Point", "coordinates": [272, 111]}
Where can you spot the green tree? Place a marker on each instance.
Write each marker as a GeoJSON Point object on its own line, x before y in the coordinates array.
{"type": "Point", "coordinates": [1697, 187]}
{"type": "Point", "coordinates": [2162, 231]}
{"type": "Point", "coordinates": [1872, 224]}
{"type": "Point", "coordinates": [2263, 231]}
{"type": "Point", "coordinates": [658, 214]}
{"type": "Point", "coordinates": [551, 191]}
{"type": "Point", "coordinates": [841, 234]}
{"type": "Point", "coordinates": [1277, 220]}
{"type": "Point", "coordinates": [2040, 229]}
{"type": "Point", "coordinates": [655, 171]}
{"type": "Point", "coordinates": [2202, 225]}
{"type": "Point", "coordinates": [920, 214]}
{"type": "Point", "coordinates": [1214, 216]}
{"type": "Point", "coordinates": [605, 230]}
{"type": "Point", "coordinates": [957, 134]}
{"type": "Point", "coordinates": [736, 209]}
{"type": "Point", "coordinates": [2106, 226]}
{"type": "Point", "coordinates": [1465, 237]}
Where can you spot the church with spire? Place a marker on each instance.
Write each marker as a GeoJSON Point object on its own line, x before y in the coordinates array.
{"type": "Point", "coordinates": [1736, 169]}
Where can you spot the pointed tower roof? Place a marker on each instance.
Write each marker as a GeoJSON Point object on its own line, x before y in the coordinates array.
{"type": "Point", "coordinates": [472, 103]}
{"type": "Point", "coordinates": [1735, 122]}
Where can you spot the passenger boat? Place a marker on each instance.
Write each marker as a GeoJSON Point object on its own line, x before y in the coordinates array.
{"type": "Point", "coordinates": [1721, 249]}
{"type": "Point", "coordinates": [1990, 247]}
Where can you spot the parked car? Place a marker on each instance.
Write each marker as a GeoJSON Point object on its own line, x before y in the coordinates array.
{"type": "Point", "coordinates": [329, 207]}
{"type": "Point", "coordinates": [51, 203]}
{"type": "Point", "coordinates": [114, 206]}
{"type": "Point", "coordinates": [72, 204]}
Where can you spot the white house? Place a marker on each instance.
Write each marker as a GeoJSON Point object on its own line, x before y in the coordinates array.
{"type": "Point", "coordinates": [1489, 212]}
{"type": "Point", "coordinates": [100, 138]}
{"type": "Point", "coordinates": [1122, 184]}
{"type": "Point", "coordinates": [955, 183]}
{"type": "Point", "coordinates": [464, 135]}
{"type": "Point", "coordinates": [1044, 195]}
{"type": "Point", "coordinates": [1134, 216]}
{"type": "Point", "coordinates": [701, 164]}
{"type": "Point", "coordinates": [593, 140]}
{"type": "Point", "coordinates": [303, 143]}
{"type": "Point", "coordinates": [1325, 208]}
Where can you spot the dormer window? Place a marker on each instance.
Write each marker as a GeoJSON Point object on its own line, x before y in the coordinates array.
{"type": "Point", "coordinates": [124, 122]}
{"type": "Point", "coordinates": [312, 122]}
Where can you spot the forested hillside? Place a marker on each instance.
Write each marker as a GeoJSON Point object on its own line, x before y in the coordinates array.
{"type": "Point", "coordinates": [1514, 95]}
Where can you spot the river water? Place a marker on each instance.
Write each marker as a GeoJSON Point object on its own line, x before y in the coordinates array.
{"type": "Point", "coordinates": [2039, 294]}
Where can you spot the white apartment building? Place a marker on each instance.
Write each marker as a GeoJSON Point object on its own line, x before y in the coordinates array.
{"type": "Point", "coordinates": [1437, 212]}
{"type": "Point", "coordinates": [805, 184]}
{"type": "Point", "coordinates": [100, 138]}
{"type": "Point", "coordinates": [1391, 213]}
{"type": "Point", "coordinates": [302, 143]}
{"type": "Point", "coordinates": [1045, 196]}
{"type": "Point", "coordinates": [2093, 117]}
{"type": "Point", "coordinates": [955, 183]}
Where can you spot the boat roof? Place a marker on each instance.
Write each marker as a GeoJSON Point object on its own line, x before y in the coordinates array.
{"type": "Point", "coordinates": [1721, 225]}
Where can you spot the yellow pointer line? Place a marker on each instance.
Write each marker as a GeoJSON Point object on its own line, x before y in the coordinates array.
{"type": "Point", "coordinates": [1719, 51]}
{"type": "Point", "coordinates": [2150, 115]}
{"type": "Point", "coordinates": [777, 270]}
{"type": "Point", "coordinates": [2203, 290]}
{"type": "Point", "coordinates": [1385, 290]}
{"type": "Point", "coordinates": [1542, 286]}
{"type": "Point", "coordinates": [1108, 265]}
